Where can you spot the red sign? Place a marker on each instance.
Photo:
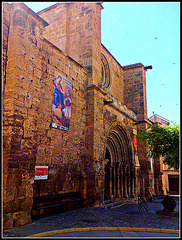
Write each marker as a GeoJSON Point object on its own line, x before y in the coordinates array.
{"type": "Point", "coordinates": [41, 172]}
{"type": "Point", "coordinates": [136, 145]}
{"type": "Point", "coordinates": [136, 148]}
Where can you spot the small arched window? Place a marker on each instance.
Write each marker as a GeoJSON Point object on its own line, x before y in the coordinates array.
{"type": "Point", "coordinates": [105, 73]}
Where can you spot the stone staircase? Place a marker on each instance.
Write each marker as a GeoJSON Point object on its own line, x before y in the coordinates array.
{"type": "Point", "coordinates": [112, 204]}
{"type": "Point", "coordinates": [116, 203]}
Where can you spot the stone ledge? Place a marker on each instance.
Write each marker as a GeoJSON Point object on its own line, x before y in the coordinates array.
{"type": "Point", "coordinates": [166, 213]}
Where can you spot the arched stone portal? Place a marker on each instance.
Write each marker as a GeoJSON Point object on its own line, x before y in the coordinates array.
{"type": "Point", "coordinates": [120, 168]}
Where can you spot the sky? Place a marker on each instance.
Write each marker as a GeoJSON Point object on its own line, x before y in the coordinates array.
{"type": "Point", "coordinates": [149, 33]}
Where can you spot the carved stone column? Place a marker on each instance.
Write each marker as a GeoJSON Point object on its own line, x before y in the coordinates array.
{"type": "Point", "coordinates": [118, 177]}
{"type": "Point", "coordinates": [132, 180]}
{"type": "Point", "coordinates": [114, 179]}
{"type": "Point", "coordinates": [137, 180]}
{"type": "Point", "coordinates": [84, 185]}
{"type": "Point", "coordinates": [128, 181]}
{"type": "Point", "coordinates": [125, 182]}
{"type": "Point", "coordinates": [105, 177]}
{"type": "Point", "coordinates": [121, 181]}
{"type": "Point", "coordinates": [111, 179]}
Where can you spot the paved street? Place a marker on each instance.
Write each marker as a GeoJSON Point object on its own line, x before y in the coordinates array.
{"type": "Point", "coordinates": [122, 222]}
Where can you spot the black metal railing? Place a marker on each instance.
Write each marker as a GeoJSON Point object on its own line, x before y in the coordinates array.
{"type": "Point", "coordinates": [142, 204]}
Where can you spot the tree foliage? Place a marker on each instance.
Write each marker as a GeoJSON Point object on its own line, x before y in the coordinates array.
{"type": "Point", "coordinates": [163, 141]}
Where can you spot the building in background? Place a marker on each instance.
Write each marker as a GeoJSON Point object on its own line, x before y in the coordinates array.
{"type": "Point", "coordinates": [169, 177]}
{"type": "Point", "coordinates": [158, 119]}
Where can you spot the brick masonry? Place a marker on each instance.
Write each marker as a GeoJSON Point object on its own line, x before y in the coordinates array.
{"type": "Point", "coordinates": [64, 39]}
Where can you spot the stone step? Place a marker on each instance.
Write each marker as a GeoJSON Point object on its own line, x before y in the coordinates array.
{"type": "Point", "coordinates": [118, 205]}
{"type": "Point", "coordinates": [107, 201]}
{"type": "Point", "coordinates": [110, 204]}
{"type": "Point", "coordinates": [118, 202]}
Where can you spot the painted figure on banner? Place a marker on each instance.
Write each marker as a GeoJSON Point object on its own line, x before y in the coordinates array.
{"type": "Point", "coordinates": [136, 148]}
{"type": "Point", "coordinates": [61, 104]}
{"type": "Point", "coordinates": [67, 109]}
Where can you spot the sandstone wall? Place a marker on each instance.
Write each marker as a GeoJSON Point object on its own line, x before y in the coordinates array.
{"type": "Point", "coordinates": [116, 76]}
{"type": "Point", "coordinates": [28, 138]}
{"type": "Point", "coordinates": [36, 47]}
{"type": "Point", "coordinates": [135, 90]}
{"type": "Point", "coordinates": [135, 99]}
{"type": "Point", "coordinates": [5, 41]}
{"type": "Point", "coordinates": [75, 28]}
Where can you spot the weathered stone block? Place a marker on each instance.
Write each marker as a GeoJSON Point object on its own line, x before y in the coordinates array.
{"type": "Point", "coordinates": [15, 205]}
{"type": "Point", "coordinates": [10, 192]}
{"type": "Point", "coordinates": [21, 191]}
{"type": "Point", "coordinates": [26, 204]}
{"type": "Point", "coordinates": [14, 179]}
{"type": "Point", "coordinates": [29, 190]}
{"type": "Point", "coordinates": [21, 218]}
{"type": "Point", "coordinates": [7, 206]}
{"type": "Point", "coordinates": [7, 221]}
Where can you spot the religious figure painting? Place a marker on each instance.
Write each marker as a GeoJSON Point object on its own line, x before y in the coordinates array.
{"type": "Point", "coordinates": [61, 104]}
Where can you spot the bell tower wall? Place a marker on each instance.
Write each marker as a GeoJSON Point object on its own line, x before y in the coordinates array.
{"type": "Point", "coordinates": [76, 29]}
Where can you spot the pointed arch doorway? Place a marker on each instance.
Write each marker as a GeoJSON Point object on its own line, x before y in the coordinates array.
{"type": "Point", "coordinates": [120, 167]}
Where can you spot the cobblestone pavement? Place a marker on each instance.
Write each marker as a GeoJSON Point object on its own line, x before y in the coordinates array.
{"type": "Point", "coordinates": [125, 216]}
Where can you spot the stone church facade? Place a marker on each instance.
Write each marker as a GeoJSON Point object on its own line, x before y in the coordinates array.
{"type": "Point", "coordinates": [99, 154]}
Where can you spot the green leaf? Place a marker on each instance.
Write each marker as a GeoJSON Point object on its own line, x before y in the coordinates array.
{"type": "Point", "coordinates": [163, 141]}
